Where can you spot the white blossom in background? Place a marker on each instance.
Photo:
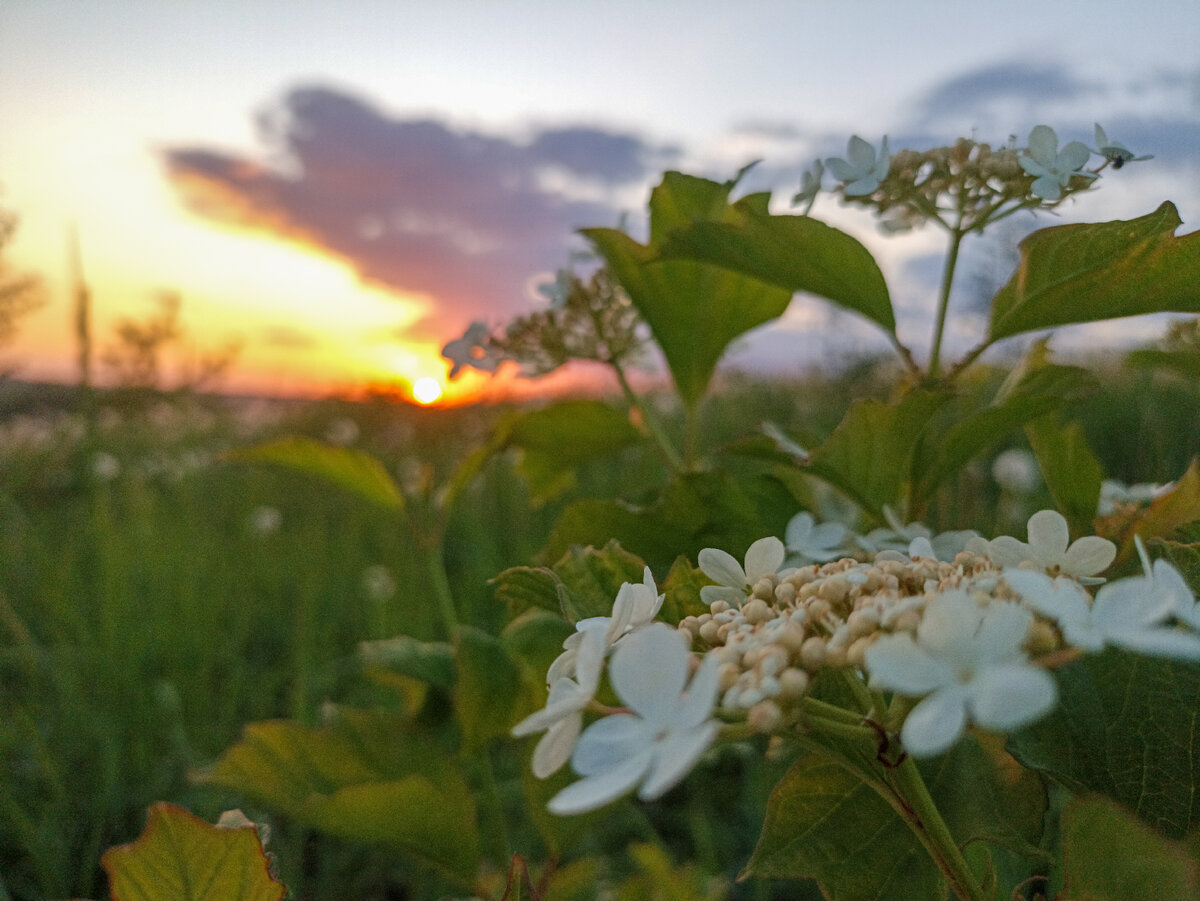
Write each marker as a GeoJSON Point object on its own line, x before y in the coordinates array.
{"type": "Point", "coordinates": [1053, 169]}
{"type": "Point", "coordinates": [265, 520]}
{"type": "Point", "coordinates": [967, 664]}
{"type": "Point", "coordinates": [657, 743]}
{"type": "Point", "coordinates": [1114, 493]}
{"type": "Point", "coordinates": [105, 467]}
{"type": "Point", "coordinates": [342, 431]}
{"type": "Point", "coordinates": [379, 583]}
{"type": "Point", "coordinates": [808, 541]}
{"type": "Point", "coordinates": [1114, 151]}
{"type": "Point", "coordinates": [1050, 548]}
{"type": "Point", "coordinates": [562, 717]}
{"type": "Point", "coordinates": [1016, 471]}
{"type": "Point", "coordinates": [735, 582]}
{"type": "Point", "coordinates": [472, 350]}
{"type": "Point", "coordinates": [810, 186]}
{"type": "Point", "coordinates": [863, 169]}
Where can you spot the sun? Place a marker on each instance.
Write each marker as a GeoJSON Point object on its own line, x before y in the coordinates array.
{"type": "Point", "coordinates": [426, 390]}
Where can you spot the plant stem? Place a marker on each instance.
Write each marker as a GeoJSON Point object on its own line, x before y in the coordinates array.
{"type": "Point", "coordinates": [935, 353]}
{"type": "Point", "coordinates": [925, 820]}
{"type": "Point", "coordinates": [665, 447]}
{"type": "Point", "coordinates": [435, 565]}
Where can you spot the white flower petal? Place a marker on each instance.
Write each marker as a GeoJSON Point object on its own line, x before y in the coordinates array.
{"type": "Point", "coordinates": [697, 704]}
{"type": "Point", "coordinates": [1008, 551]}
{"type": "Point", "coordinates": [1074, 157]}
{"type": "Point", "coordinates": [601, 787]}
{"type": "Point", "coordinates": [842, 170]}
{"type": "Point", "coordinates": [1088, 556]}
{"type": "Point", "coordinates": [860, 153]}
{"type": "Point", "coordinates": [649, 669]}
{"type": "Point", "coordinates": [936, 723]}
{"type": "Point", "coordinates": [798, 529]}
{"type": "Point", "coordinates": [1130, 604]}
{"type": "Point", "coordinates": [1060, 599]}
{"type": "Point", "coordinates": [609, 740]}
{"type": "Point", "coordinates": [1002, 632]}
{"type": "Point", "coordinates": [1007, 697]}
{"type": "Point", "coordinates": [556, 746]}
{"type": "Point", "coordinates": [763, 558]}
{"type": "Point", "coordinates": [896, 663]}
{"type": "Point", "coordinates": [710, 594]}
{"type": "Point", "coordinates": [674, 758]}
{"type": "Point", "coordinates": [1048, 535]}
{"type": "Point", "coordinates": [721, 567]}
{"type": "Point", "coordinates": [1043, 144]}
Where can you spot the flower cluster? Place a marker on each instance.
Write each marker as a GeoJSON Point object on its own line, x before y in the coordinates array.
{"type": "Point", "coordinates": [967, 184]}
{"type": "Point", "coordinates": [961, 641]}
{"type": "Point", "coordinates": [584, 320]}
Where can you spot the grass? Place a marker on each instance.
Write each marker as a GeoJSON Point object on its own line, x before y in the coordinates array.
{"type": "Point", "coordinates": [144, 618]}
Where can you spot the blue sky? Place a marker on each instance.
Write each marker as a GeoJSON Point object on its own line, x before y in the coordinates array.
{"type": "Point", "coordinates": [345, 186]}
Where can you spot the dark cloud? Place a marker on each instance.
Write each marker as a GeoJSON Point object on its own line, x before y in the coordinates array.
{"type": "Point", "coordinates": [413, 204]}
{"type": "Point", "coordinates": [1005, 82]}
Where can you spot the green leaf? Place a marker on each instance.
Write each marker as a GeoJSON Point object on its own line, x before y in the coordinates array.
{"type": "Point", "coordinates": [593, 522]}
{"type": "Point", "coordinates": [1125, 727]}
{"type": "Point", "coordinates": [427, 661]}
{"type": "Point", "coordinates": [524, 588]}
{"type": "Point", "coordinates": [797, 253]}
{"type": "Point", "coordinates": [682, 591]}
{"type": "Point", "coordinates": [823, 822]}
{"type": "Point", "coordinates": [492, 692]}
{"type": "Point", "coordinates": [558, 439]}
{"type": "Point", "coordinates": [180, 857]}
{"type": "Point", "coordinates": [693, 309]}
{"type": "Point", "coordinates": [1086, 273]}
{"type": "Point", "coordinates": [345, 467]}
{"type": "Point", "coordinates": [519, 887]}
{"type": "Point", "coordinates": [1070, 469]}
{"type": "Point", "coordinates": [369, 776]}
{"type": "Point", "coordinates": [591, 578]}
{"type": "Point", "coordinates": [1184, 362]}
{"type": "Point", "coordinates": [869, 455]}
{"type": "Point", "coordinates": [1176, 508]}
{"type": "Point", "coordinates": [536, 637]}
{"type": "Point", "coordinates": [1042, 391]}
{"type": "Point", "coordinates": [1109, 856]}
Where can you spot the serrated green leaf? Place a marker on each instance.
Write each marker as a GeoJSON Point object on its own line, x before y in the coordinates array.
{"type": "Point", "coordinates": [523, 588]}
{"type": "Point", "coordinates": [1109, 856]}
{"type": "Point", "coordinates": [536, 637]}
{"type": "Point", "coordinates": [492, 692]}
{"type": "Point", "coordinates": [592, 522]}
{"type": "Point", "coordinates": [370, 776]}
{"type": "Point", "coordinates": [682, 590]}
{"type": "Point", "coordinates": [1125, 727]}
{"type": "Point", "coordinates": [869, 455]}
{"type": "Point", "coordinates": [556, 440]}
{"type": "Point", "coordinates": [693, 309]}
{"type": "Point", "coordinates": [344, 467]}
{"type": "Point", "coordinates": [591, 578]}
{"type": "Point", "coordinates": [1069, 468]}
{"type": "Point", "coordinates": [180, 857]}
{"type": "Point", "coordinates": [1107, 270]}
{"type": "Point", "coordinates": [1042, 391]}
{"type": "Point", "coordinates": [797, 253]}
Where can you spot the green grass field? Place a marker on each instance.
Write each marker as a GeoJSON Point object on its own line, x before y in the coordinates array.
{"type": "Point", "coordinates": [154, 597]}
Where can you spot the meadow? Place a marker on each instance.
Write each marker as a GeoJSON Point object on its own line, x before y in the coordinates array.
{"type": "Point", "coordinates": [155, 596]}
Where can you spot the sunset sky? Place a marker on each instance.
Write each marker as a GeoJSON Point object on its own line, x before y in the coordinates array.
{"type": "Point", "coordinates": [343, 188]}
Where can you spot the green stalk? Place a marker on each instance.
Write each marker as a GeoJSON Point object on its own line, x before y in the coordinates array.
{"type": "Point", "coordinates": [435, 565]}
{"type": "Point", "coordinates": [662, 442]}
{"type": "Point", "coordinates": [925, 820]}
{"type": "Point", "coordinates": [935, 352]}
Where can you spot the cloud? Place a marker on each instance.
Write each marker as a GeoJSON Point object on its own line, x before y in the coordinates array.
{"type": "Point", "coordinates": [413, 204]}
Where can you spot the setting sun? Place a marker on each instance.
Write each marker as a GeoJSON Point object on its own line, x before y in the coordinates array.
{"type": "Point", "coordinates": [426, 390]}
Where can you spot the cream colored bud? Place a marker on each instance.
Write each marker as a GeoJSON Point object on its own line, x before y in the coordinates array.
{"type": "Point", "coordinates": [757, 611]}
{"type": "Point", "coordinates": [764, 588]}
{"type": "Point", "coordinates": [764, 716]}
{"type": "Point", "coordinates": [718, 607]}
{"type": "Point", "coordinates": [791, 637]}
{"type": "Point", "coordinates": [862, 622]}
{"type": "Point", "coordinates": [708, 631]}
{"type": "Point", "coordinates": [785, 593]}
{"type": "Point", "coordinates": [793, 684]}
{"type": "Point", "coordinates": [835, 657]}
{"type": "Point", "coordinates": [727, 676]}
{"type": "Point", "coordinates": [907, 621]}
{"type": "Point", "coordinates": [812, 654]}
{"type": "Point", "coordinates": [819, 609]}
{"type": "Point", "coordinates": [857, 653]}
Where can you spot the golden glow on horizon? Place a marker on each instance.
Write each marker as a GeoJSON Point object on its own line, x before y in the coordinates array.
{"type": "Point", "coordinates": [426, 390]}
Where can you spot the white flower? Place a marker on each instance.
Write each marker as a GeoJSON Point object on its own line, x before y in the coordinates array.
{"type": "Point", "coordinates": [1128, 613]}
{"type": "Point", "coordinates": [1116, 152]}
{"type": "Point", "coordinates": [810, 186]}
{"type": "Point", "coordinates": [967, 662]}
{"type": "Point", "coordinates": [1048, 549]}
{"type": "Point", "coordinates": [634, 607]}
{"type": "Point", "coordinates": [763, 558]}
{"type": "Point", "coordinates": [562, 717]}
{"type": "Point", "coordinates": [1053, 169]}
{"type": "Point", "coordinates": [810, 542]}
{"type": "Point", "coordinates": [105, 467]}
{"type": "Point", "coordinates": [660, 740]}
{"type": "Point", "coordinates": [557, 291]}
{"type": "Point", "coordinates": [265, 520]}
{"type": "Point", "coordinates": [1016, 471]}
{"type": "Point", "coordinates": [1114, 493]}
{"type": "Point", "coordinates": [472, 350]}
{"type": "Point", "coordinates": [864, 171]}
